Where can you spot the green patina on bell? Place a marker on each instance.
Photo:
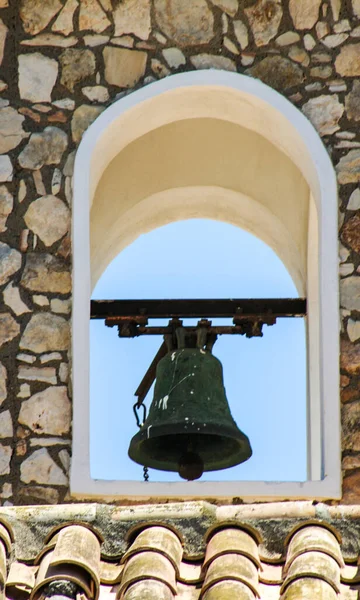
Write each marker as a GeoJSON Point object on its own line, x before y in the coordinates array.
{"type": "Point", "coordinates": [189, 428]}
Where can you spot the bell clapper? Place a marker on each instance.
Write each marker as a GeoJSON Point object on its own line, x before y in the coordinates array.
{"type": "Point", "coordinates": [191, 465]}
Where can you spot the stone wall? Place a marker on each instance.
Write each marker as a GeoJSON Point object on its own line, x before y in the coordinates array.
{"type": "Point", "coordinates": [62, 63]}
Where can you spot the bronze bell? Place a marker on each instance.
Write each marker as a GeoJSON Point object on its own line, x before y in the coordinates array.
{"type": "Point", "coordinates": [189, 428]}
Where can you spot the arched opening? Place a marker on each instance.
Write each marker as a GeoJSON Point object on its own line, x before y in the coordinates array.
{"type": "Point", "coordinates": [226, 147]}
{"type": "Point", "coordinates": [265, 378]}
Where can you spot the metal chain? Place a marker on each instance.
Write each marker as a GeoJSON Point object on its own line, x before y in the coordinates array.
{"type": "Point", "coordinates": [140, 422]}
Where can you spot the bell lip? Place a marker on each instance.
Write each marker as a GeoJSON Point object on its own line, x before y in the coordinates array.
{"type": "Point", "coordinates": [147, 433]}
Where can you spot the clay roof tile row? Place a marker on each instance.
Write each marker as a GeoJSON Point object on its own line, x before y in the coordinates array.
{"type": "Point", "coordinates": [154, 566]}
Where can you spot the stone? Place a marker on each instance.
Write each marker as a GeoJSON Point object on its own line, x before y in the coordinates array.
{"type": "Point", "coordinates": [185, 23]}
{"type": "Point", "coordinates": [343, 253]}
{"type": "Point", "coordinates": [9, 328]}
{"type": "Point", "coordinates": [304, 13]}
{"type": "Point", "coordinates": [37, 15]}
{"type": "Point", "coordinates": [44, 148]}
{"type": "Point", "coordinates": [46, 273]}
{"type": "Point", "coordinates": [264, 18]}
{"type": "Point", "coordinates": [346, 269]}
{"type": "Point", "coordinates": [125, 40]}
{"type": "Point", "coordinates": [65, 460]}
{"type": "Point", "coordinates": [96, 39]}
{"type": "Point", "coordinates": [51, 39]}
{"type": "Point", "coordinates": [82, 119]}
{"type": "Point", "coordinates": [356, 7]}
{"type": "Point", "coordinates": [92, 17]}
{"type": "Point", "coordinates": [322, 29]}
{"type": "Point", "coordinates": [174, 57]}
{"type": "Point", "coordinates": [5, 457]}
{"type": "Point", "coordinates": [6, 206]}
{"type": "Point", "coordinates": [350, 355]}
{"type": "Point", "coordinates": [321, 72]}
{"type": "Point", "coordinates": [334, 40]}
{"type": "Point", "coordinates": [3, 34]}
{"type": "Point", "coordinates": [348, 168]}
{"type": "Point", "coordinates": [6, 426]}
{"type": "Point", "coordinates": [65, 22]}
{"type": "Point", "coordinates": [351, 488]}
{"type": "Point", "coordinates": [133, 16]}
{"type": "Point", "coordinates": [47, 412]}
{"type": "Point", "coordinates": [65, 104]}
{"type": "Point", "coordinates": [352, 102]}
{"type": "Point", "coordinates": [49, 218]}
{"type": "Point", "coordinates": [324, 113]}
{"type": "Point", "coordinates": [309, 42]}
{"type": "Point", "coordinates": [69, 164]}
{"type": "Point", "coordinates": [64, 372]}
{"type": "Point", "coordinates": [6, 169]}
{"type": "Point", "coordinates": [24, 391]}
{"type": "Point", "coordinates": [241, 34]}
{"type": "Point", "coordinates": [41, 374]}
{"type": "Point", "coordinates": [50, 357]}
{"type": "Point", "coordinates": [350, 293]}
{"type": "Point", "coordinates": [350, 413]}
{"type": "Point", "coordinates": [290, 37]}
{"type": "Point", "coordinates": [212, 61]}
{"type": "Point", "coordinates": [3, 381]}
{"type": "Point", "coordinates": [76, 66]}
{"type": "Point", "coordinates": [56, 182]}
{"type": "Point", "coordinates": [22, 190]}
{"type": "Point", "coordinates": [336, 7]}
{"type": "Point", "coordinates": [321, 57]}
{"type": "Point", "coordinates": [10, 262]}
{"type": "Point", "coordinates": [277, 72]}
{"type": "Point", "coordinates": [354, 200]}
{"type": "Point", "coordinates": [351, 233]}
{"type": "Point", "coordinates": [96, 93]}
{"type": "Point", "coordinates": [353, 330]}
{"type": "Point", "coordinates": [40, 300]}
{"type": "Point", "coordinates": [229, 6]}
{"type": "Point", "coordinates": [347, 62]}
{"type": "Point", "coordinates": [39, 184]}
{"type": "Point", "coordinates": [40, 468]}
{"type": "Point", "coordinates": [299, 55]}
{"type": "Point", "coordinates": [53, 441]}
{"type": "Point", "coordinates": [342, 26]}
{"type": "Point", "coordinates": [35, 494]}
{"type": "Point", "coordinates": [27, 358]}
{"type": "Point", "coordinates": [6, 491]}
{"type": "Point", "coordinates": [351, 462]}
{"type": "Point", "coordinates": [46, 332]}
{"type": "Point", "coordinates": [230, 46]}
{"type": "Point", "coordinates": [60, 306]}
{"type": "Point", "coordinates": [124, 67]}
{"type": "Point", "coordinates": [13, 300]}
{"type": "Point", "coordinates": [158, 68]}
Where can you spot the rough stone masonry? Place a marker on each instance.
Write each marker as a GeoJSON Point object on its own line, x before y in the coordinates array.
{"type": "Point", "coordinates": [62, 63]}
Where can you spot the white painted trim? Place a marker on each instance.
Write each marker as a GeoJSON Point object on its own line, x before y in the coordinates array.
{"type": "Point", "coordinates": [248, 102]}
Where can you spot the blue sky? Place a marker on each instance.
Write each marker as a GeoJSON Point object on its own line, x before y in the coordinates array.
{"type": "Point", "coordinates": [265, 378]}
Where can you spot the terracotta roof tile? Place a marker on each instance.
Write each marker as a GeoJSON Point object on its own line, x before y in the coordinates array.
{"type": "Point", "coordinates": [161, 539]}
{"type": "Point", "coordinates": [148, 566]}
{"type": "Point", "coordinates": [314, 538]}
{"type": "Point", "coordinates": [148, 590]}
{"type": "Point", "coordinates": [309, 588]}
{"type": "Point", "coordinates": [229, 590]}
{"type": "Point", "coordinates": [144, 560]}
{"type": "Point", "coordinates": [232, 540]}
{"type": "Point", "coordinates": [232, 567]}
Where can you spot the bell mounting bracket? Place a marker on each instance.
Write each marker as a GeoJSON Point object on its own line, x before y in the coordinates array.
{"type": "Point", "coordinates": [131, 317]}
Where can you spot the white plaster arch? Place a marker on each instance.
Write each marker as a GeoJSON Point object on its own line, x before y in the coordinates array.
{"type": "Point", "coordinates": [246, 103]}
